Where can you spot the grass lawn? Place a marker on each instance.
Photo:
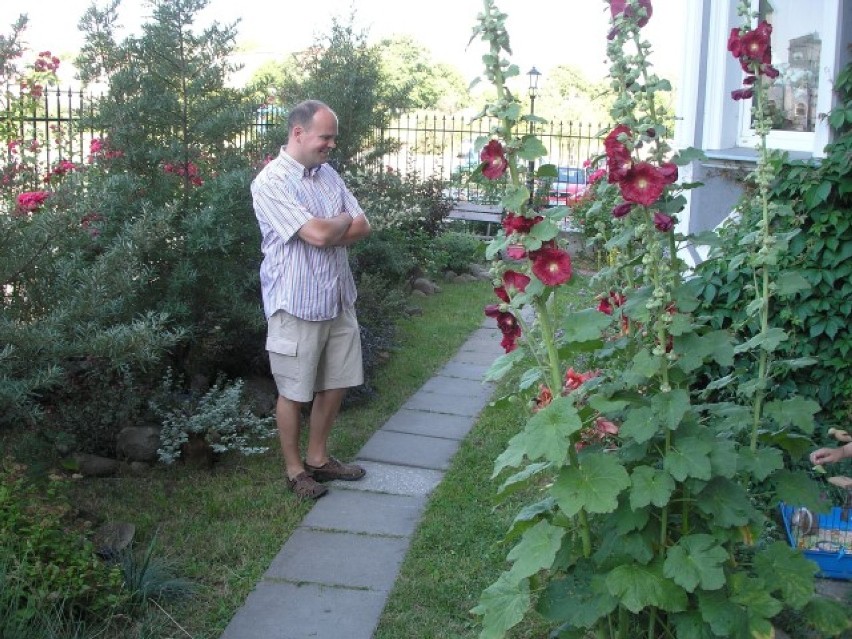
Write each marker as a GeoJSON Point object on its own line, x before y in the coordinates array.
{"type": "Point", "coordinates": [221, 528]}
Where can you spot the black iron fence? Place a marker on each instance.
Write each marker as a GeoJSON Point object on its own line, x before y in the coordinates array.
{"type": "Point", "coordinates": [60, 125]}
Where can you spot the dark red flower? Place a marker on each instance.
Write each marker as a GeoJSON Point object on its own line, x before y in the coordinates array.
{"type": "Point", "coordinates": [618, 159]}
{"type": "Point", "coordinates": [620, 210]}
{"type": "Point", "coordinates": [612, 300]}
{"type": "Point", "coordinates": [512, 280]}
{"type": "Point", "coordinates": [508, 325]}
{"type": "Point", "coordinates": [619, 7]}
{"type": "Point", "coordinates": [755, 44]}
{"type": "Point", "coordinates": [495, 160]}
{"type": "Point", "coordinates": [500, 291]}
{"type": "Point", "coordinates": [551, 265]}
{"type": "Point", "coordinates": [669, 171]}
{"type": "Point", "coordinates": [735, 43]}
{"type": "Point", "coordinates": [643, 184]}
{"type": "Point", "coordinates": [663, 222]}
{"type": "Point", "coordinates": [742, 94]}
{"type": "Point", "coordinates": [519, 224]}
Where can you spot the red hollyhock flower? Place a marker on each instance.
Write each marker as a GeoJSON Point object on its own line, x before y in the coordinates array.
{"type": "Point", "coordinates": [611, 301]}
{"type": "Point", "coordinates": [643, 184]}
{"type": "Point", "coordinates": [519, 224]}
{"type": "Point", "coordinates": [742, 94]}
{"type": "Point", "coordinates": [573, 379]}
{"type": "Point", "coordinates": [663, 222]}
{"type": "Point", "coordinates": [669, 171]}
{"type": "Point", "coordinates": [516, 252]}
{"type": "Point", "coordinates": [620, 210]}
{"type": "Point", "coordinates": [618, 7]}
{"type": "Point", "coordinates": [495, 160]}
{"type": "Point", "coordinates": [618, 159]}
{"type": "Point", "coordinates": [508, 325]}
{"type": "Point", "coordinates": [735, 43]}
{"type": "Point", "coordinates": [611, 141]}
{"type": "Point", "coordinates": [544, 398]}
{"type": "Point", "coordinates": [756, 43]}
{"type": "Point", "coordinates": [500, 291]}
{"type": "Point", "coordinates": [551, 265]}
{"type": "Point", "coordinates": [515, 280]}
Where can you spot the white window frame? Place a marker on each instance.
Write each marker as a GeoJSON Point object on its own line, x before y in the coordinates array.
{"type": "Point", "coordinates": [720, 130]}
{"type": "Point", "coordinates": [806, 141]}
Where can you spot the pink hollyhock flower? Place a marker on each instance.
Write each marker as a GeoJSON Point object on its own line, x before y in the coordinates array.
{"type": "Point", "coordinates": [620, 210]}
{"type": "Point", "coordinates": [663, 222]}
{"type": "Point", "coordinates": [512, 280]}
{"type": "Point", "coordinates": [551, 265]}
{"type": "Point", "coordinates": [643, 184]}
{"type": "Point", "coordinates": [573, 379]}
{"type": "Point", "coordinates": [516, 252]}
{"type": "Point", "coordinates": [495, 160]}
{"type": "Point", "coordinates": [605, 427]}
{"type": "Point", "coordinates": [519, 224]}
{"type": "Point", "coordinates": [596, 175]}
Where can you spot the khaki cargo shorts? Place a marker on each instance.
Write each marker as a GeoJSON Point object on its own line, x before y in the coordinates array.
{"type": "Point", "coordinates": [307, 357]}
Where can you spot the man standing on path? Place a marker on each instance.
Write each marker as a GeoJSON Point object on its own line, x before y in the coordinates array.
{"type": "Point", "coordinates": [307, 218]}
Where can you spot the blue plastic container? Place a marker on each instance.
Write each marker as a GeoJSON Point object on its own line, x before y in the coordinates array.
{"type": "Point", "coordinates": [828, 543]}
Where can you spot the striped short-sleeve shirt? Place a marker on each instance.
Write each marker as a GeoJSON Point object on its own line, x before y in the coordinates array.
{"type": "Point", "coordinates": [307, 281]}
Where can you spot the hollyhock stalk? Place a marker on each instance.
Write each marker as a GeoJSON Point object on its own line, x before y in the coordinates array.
{"type": "Point", "coordinates": [492, 26]}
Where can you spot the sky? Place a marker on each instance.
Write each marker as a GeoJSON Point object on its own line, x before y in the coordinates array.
{"type": "Point", "coordinates": [542, 34]}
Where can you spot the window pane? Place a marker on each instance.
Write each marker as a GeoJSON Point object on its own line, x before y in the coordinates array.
{"type": "Point", "coordinates": [796, 48]}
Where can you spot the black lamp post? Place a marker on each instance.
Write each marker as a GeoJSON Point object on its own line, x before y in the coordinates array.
{"type": "Point", "coordinates": [533, 75]}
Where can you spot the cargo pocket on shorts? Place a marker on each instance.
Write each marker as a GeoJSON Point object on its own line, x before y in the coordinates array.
{"type": "Point", "coordinates": [282, 357]}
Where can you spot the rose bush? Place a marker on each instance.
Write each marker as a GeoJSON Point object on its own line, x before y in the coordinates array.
{"type": "Point", "coordinates": [653, 513]}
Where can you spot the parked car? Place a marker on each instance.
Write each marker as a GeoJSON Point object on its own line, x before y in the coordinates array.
{"type": "Point", "coordinates": [569, 184]}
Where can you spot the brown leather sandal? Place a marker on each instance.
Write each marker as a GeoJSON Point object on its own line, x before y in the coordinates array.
{"type": "Point", "coordinates": [334, 469]}
{"type": "Point", "coordinates": [306, 487]}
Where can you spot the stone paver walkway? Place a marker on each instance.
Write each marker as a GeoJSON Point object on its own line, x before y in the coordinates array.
{"type": "Point", "coordinates": [332, 577]}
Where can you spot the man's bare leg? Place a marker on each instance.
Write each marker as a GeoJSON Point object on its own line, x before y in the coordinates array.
{"type": "Point", "coordinates": [323, 413]}
{"type": "Point", "coordinates": [288, 417]}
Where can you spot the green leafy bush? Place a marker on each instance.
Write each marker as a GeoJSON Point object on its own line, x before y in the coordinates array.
{"type": "Point", "coordinates": [816, 308]}
{"type": "Point", "coordinates": [46, 555]}
{"type": "Point", "coordinates": [455, 251]}
{"type": "Point", "coordinates": [217, 416]}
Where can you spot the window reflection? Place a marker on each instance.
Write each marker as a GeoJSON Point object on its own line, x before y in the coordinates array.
{"type": "Point", "coordinates": [796, 48]}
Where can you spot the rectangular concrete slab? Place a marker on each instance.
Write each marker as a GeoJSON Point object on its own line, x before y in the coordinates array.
{"type": "Point", "coordinates": [362, 512]}
{"type": "Point", "coordinates": [420, 422]}
{"type": "Point", "coordinates": [409, 450]}
{"type": "Point", "coordinates": [483, 357]}
{"type": "Point", "coordinates": [464, 371]}
{"type": "Point", "coordinates": [457, 386]}
{"type": "Point", "coordinates": [276, 610]}
{"type": "Point", "coordinates": [393, 479]}
{"type": "Point", "coordinates": [467, 406]}
{"type": "Point", "coordinates": [339, 559]}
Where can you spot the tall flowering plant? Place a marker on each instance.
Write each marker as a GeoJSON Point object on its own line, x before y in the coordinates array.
{"type": "Point", "coordinates": [647, 523]}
